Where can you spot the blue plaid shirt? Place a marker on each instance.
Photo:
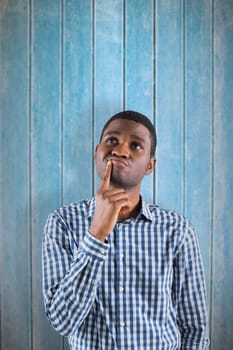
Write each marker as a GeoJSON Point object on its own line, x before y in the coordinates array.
{"type": "Point", "coordinates": [142, 289]}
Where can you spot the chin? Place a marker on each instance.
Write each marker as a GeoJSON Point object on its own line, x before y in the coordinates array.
{"type": "Point", "coordinates": [122, 184]}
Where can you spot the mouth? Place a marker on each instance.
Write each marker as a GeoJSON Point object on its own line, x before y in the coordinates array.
{"type": "Point", "coordinates": [117, 161]}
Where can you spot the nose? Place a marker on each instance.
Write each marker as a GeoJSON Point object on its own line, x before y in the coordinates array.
{"type": "Point", "coordinates": [121, 150]}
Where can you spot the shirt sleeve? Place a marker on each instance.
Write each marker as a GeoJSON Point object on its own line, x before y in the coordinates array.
{"type": "Point", "coordinates": [69, 282]}
{"type": "Point", "coordinates": [190, 294]}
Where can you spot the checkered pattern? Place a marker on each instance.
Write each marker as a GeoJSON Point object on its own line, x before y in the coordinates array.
{"type": "Point", "coordinates": [143, 289]}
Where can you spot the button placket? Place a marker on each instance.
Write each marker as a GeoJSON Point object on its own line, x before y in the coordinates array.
{"type": "Point", "coordinates": [121, 285]}
{"type": "Point", "coordinates": [102, 251]}
{"type": "Point", "coordinates": [121, 282]}
{"type": "Point", "coordinates": [121, 234]}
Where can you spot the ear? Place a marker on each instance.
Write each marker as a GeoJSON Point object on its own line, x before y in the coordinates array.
{"type": "Point", "coordinates": [150, 166]}
{"type": "Point", "coordinates": [96, 147]}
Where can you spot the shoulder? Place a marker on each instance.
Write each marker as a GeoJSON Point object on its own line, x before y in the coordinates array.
{"type": "Point", "coordinates": [82, 207]}
{"type": "Point", "coordinates": [166, 216]}
{"type": "Point", "coordinates": [68, 223]}
{"type": "Point", "coordinates": [172, 224]}
{"type": "Point", "coordinates": [69, 214]}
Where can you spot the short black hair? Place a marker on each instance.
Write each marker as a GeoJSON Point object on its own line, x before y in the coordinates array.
{"type": "Point", "coordinates": [138, 118]}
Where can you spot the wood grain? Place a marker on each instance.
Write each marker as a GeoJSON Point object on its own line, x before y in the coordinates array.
{"type": "Point", "coordinates": [66, 66]}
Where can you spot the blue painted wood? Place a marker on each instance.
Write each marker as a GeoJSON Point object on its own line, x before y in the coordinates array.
{"type": "Point", "coordinates": [222, 306]}
{"type": "Point", "coordinates": [45, 149]}
{"type": "Point", "coordinates": [14, 178]}
{"type": "Point", "coordinates": [169, 103]}
{"type": "Point", "coordinates": [198, 123]}
{"type": "Point", "coordinates": [77, 101]}
{"type": "Point", "coordinates": [108, 68]}
{"type": "Point", "coordinates": [83, 62]}
{"type": "Point", "coordinates": [139, 67]}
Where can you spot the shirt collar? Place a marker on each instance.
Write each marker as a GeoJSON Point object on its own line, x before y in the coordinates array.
{"type": "Point", "coordinates": [144, 212]}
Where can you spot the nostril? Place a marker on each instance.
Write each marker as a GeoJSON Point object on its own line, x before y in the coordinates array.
{"type": "Point", "coordinates": [121, 150]}
{"type": "Point", "coordinates": [115, 153]}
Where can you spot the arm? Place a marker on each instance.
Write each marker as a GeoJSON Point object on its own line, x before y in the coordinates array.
{"type": "Point", "coordinates": [69, 283]}
{"type": "Point", "coordinates": [190, 294]}
{"type": "Point", "coordinates": [110, 202]}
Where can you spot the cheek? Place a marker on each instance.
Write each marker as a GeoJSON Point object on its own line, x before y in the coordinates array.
{"type": "Point", "coordinates": [100, 152]}
{"type": "Point", "coordinates": [99, 164]}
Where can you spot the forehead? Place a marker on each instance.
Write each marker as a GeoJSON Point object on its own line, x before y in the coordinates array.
{"type": "Point", "coordinates": [127, 127]}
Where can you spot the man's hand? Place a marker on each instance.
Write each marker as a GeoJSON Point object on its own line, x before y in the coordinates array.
{"type": "Point", "coordinates": [109, 202]}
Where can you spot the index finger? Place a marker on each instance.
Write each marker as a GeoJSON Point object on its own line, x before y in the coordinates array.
{"type": "Point", "coordinates": [106, 179]}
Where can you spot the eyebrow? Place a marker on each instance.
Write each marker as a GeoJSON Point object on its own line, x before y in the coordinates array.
{"type": "Point", "coordinates": [133, 136]}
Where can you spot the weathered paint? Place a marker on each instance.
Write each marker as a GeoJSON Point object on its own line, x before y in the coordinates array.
{"type": "Point", "coordinates": [15, 241]}
{"type": "Point", "coordinates": [198, 123]}
{"type": "Point", "coordinates": [45, 148]}
{"type": "Point", "coordinates": [139, 66]}
{"type": "Point", "coordinates": [169, 103]}
{"type": "Point", "coordinates": [222, 254]}
{"type": "Point", "coordinates": [66, 66]}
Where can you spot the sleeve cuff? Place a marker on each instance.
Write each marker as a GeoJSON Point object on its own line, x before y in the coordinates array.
{"type": "Point", "coordinates": [93, 247]}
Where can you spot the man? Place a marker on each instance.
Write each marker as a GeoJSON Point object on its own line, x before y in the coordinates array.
{"type": "Point", "coordinates": [119, 273]}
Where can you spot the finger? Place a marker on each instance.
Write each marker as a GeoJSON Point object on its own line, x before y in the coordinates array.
{"type": "Point", "coordinates": [106, 179]}
{"type": "Point", "coordinates": [118, 199]}
{"type": "Point", "coordinates": [121, 203]}
{"type": "Point", "coordinates": [109, 192]}
{"type": "Point", "coordinates": [115, 196]}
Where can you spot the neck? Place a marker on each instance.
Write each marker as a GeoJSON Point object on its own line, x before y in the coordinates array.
{"type": "Point", "coordinates": [132, 210]}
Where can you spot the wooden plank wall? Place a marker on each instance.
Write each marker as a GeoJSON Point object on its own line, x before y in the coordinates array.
{"type": "Point", "coordinates": [66, 66]}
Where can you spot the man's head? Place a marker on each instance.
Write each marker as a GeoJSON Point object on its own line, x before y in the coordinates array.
{"type": "Point", "coordinates": [139, 118]}
{"type": "Point", "coordinates": [128, 140]}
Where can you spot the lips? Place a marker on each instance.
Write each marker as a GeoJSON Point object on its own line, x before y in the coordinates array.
{"type": "Point", "coordinates": [117, 160]}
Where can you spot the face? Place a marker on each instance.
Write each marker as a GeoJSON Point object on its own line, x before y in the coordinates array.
{"type": "Point", "coordinates": [127, 144]}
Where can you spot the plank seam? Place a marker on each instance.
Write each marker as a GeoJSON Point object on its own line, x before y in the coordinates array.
{"type": "Point", "coordinates": [31, 340]}
{"type": "Point", "coordinates": [93, 94]}
{"type": "Point", "coordinates": [212, 179]}
{"type": "Point", "coordinates": [62, 345]}
{"type": "Point", "coordinates": [183, 204]}
{"type": "Point", "coordinates": [154, 89]}
{"type": "Point", "coordinates": [123, 54]}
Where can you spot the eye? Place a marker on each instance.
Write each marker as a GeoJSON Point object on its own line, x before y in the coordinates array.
{"type": "Point", "coordinates": [111, 141]}
{"type": "Point", "coordinates": [136, 146]}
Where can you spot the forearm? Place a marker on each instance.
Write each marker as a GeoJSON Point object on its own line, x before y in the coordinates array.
{"type": "Point", "coordinates": [69, 300]}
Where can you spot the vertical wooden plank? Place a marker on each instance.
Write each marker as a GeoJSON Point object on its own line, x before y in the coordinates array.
{"type": "Point", "coordinates": [77, 123]}
{"type": "Point", "coordinates": [198, 123]}
{"type": "Point", "coordinates": [169, 103]}
{"type": "Point", "coordinates": [139, 69]}
{"type": "Point", "coordinates": [108, 58]}
{"type": "Point", "coordinates": [46, 149]}
{"type": "Point", "coordinates": [222, 306]}
{"type": "Point", "coordinates": [77, 102]}
{"type": "Point", "coordinates": [14, 178]}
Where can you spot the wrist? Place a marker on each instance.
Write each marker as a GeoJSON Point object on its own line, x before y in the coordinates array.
{"type": "Point", "coordinates": [100, 236]}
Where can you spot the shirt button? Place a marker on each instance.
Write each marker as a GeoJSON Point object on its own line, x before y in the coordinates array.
{"type": "Point", "coordinates": [122, 289]}
{"type": "Point", "coordinates": [122, 324]}
{"type": "Point", "coordinates": [102, 251]}
{"type": "Point", "coordinates": [122, 255]}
